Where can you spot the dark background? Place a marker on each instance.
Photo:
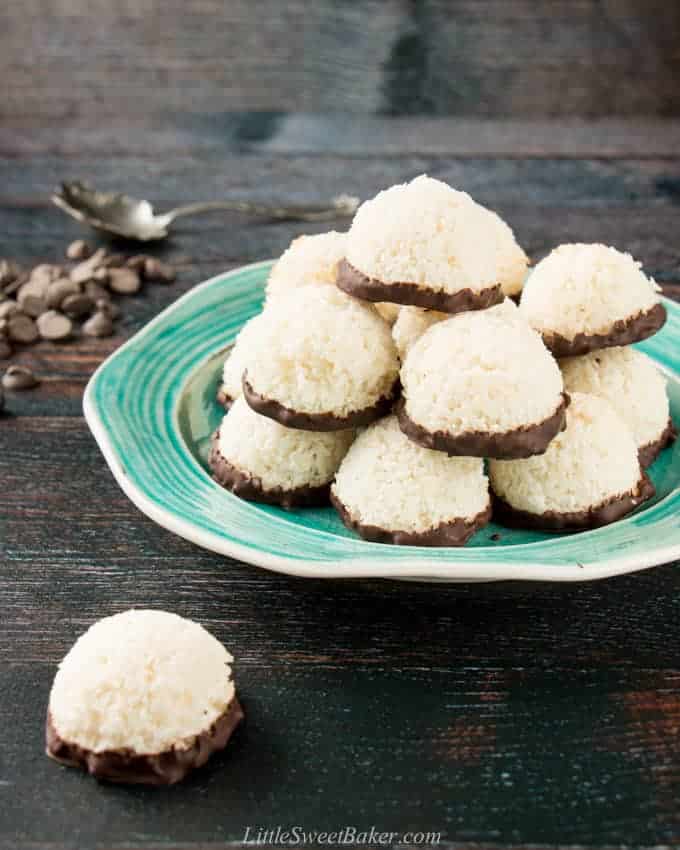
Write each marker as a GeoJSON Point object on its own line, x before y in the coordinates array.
{"type": "Point", "coordinates": [497, 715]}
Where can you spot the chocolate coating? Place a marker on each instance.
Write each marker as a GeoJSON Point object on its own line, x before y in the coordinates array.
{"type": "Point", "coordinates": [454, 533]}
{"type": "Point", "coordinates": [318, 421]}
{"type": "Point", "coordinates": [127, 766]}
{"type": "Point", "coordinates": [250, 487]}
{"type": "Point", "coordinates": [356, 283]}
{"type": "Point", "coordinates": [519, 443]}
{"type": "Point", "coordinates": [649, 453]}
{"type": "Point", "coordinates": [602, 514]}
{"type": "Point", "coordinates": [623, 332]}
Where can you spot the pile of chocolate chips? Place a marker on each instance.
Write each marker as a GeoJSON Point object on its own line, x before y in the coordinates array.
{"type": "Point", "coordinates": [58, 302]}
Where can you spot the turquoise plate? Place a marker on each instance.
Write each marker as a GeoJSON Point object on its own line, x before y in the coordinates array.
{"type": "Point", "coordinates": [151, 408]}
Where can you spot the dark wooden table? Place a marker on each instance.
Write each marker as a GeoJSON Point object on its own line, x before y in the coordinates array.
{"type": "Point", "coordinates": [496, 716]}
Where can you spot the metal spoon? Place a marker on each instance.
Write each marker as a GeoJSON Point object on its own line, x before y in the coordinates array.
{"type": "Point", "coordinates": [132, 218]}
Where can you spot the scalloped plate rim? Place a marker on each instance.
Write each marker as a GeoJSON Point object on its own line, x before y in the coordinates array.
{"type": "Point", "coordinates": [418, 570]}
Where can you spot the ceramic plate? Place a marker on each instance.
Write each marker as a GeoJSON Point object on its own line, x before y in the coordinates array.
{"type": "Point", "coordinates": [151, 407]}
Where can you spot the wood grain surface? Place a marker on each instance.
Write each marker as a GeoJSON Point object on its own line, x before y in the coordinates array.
{"type": "Point", "coordinates": [499, 716]}
{"type": "Point", "coordinates": [91, 61]}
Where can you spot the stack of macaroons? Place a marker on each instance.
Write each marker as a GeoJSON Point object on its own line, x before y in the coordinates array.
{"type": "Point", "coordinates": [330, 399]}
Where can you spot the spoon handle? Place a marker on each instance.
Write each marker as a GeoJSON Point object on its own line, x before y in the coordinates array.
{"type": "Point", "coordinates": [342, 205]}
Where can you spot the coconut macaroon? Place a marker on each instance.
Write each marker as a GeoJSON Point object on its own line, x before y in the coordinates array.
{"type": "Point", "coordinates": [390, 490]}
{"type": "Point", "coordinates": [511, 260]}
{"type": "Point", "coordinates": [585, 297]}
{"type": "Point", "coordinates": [422, 243]}
{"type": "Point", "coordinates": [634, 387]}
{"type": "Point", "coordinates": [262, 461]}
{"type": "Point", "coordinates": [235, 365]}
{"type": "Point", "coordinates": [411, 324]}
{"type": "Point", "coordinates": [308, 259]}
{"type": "Point", "coordinates": [142, 697]}
{"type": "Point", "coordinates": [589, 476]}
{"type": "Point", "coordinates": [322, 362]}
{"type": "Point", "coordinates": [482, 384]}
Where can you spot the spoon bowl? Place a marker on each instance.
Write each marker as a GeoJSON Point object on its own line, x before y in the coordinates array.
{"type": "Point", "coordinates": [133, 218]}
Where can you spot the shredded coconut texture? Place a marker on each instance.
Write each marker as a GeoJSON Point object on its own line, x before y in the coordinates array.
{"type": "Point", "coordinates": [279, 456]}
{"type": "Point", "coordinates": [481, 371]}
{"type": "Point", "coordinates": [511, 260]}
{"type": "Point", "coordinates": [308, 259]}
{"type": "Point", "coordinates": [427, 233]}
{"type": "Point", "coordinates": [585, 289]}
{"type": "Point", "coordinates": [593, 460]}
{"type": "Point", "coordinates": [144, 680]}
{"type": "Point", "coordinates": [411, 324]}
{"type": "Point", "coordinates": [318, 350]}
{"type": "Point", "coordinates": [629, 381]}
{"type": "Point", "coordinates": [387, 481]}
{"type": "Point", "coordinates": [236, 362]}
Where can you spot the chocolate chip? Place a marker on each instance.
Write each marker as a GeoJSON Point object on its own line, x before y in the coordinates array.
{"type": "Point", "coordinates": [495, 537]}
{"type": "Point", "coordinates": [54, 325]}
{"type": "Point", "coordinates": [78, 250]}
{"type": "Point", "coordinates": [114, 261]}
{"type": "Point", "coordinates": [78, 305]}
{"type": "Point", "coordinates": [19, 378]}
{"type": "Point", "coordinates": [22, 328]}
{"type": "Point", "coordinates": [84, 271]}
{"type": "Point", "coordinates": [9, 272]}
{"type": "Point", "coordinates": [107, 306]}
{"type": "Point", "coordinates": [5, 349]}
{"type": "Point", "coordinates": [59, 290]}
{"type": "Point", "coordinates": [157, 271]}
{"type": "Point", "coordinates": [95, 290]}
{"type": "Point", "coordinates": [137, 262]}
{"type": "Point", "coordinates": [124, 281]}
{"type": "Point", "coordinates": [11, 288]}
{"type": "Point", "coordinates": [43, 275]}
{"type": "Point", "coordinates": [7, 308]}
{"type": "Point", "coordinates": [31, 299]}
{"type": "Point", "coordinates": [99, 324]}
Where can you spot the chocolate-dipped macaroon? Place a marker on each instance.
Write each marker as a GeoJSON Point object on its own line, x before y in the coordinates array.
{"type": "Point", "coordinates": [230, 387]}
{"type": "Point", "coordinates": [482, 384]}
{"type": "Point", "coordinates": [390, 490]}
{"type": "Point", "coordinates": [585, 297]}
{"type": "Point", "coordinates": [422, 243]}
{"type": "Point", "coordinates": [142, 697]}
{"type": "Point", "coordinates": [589, 476]}
{"type": "Point", "coordinates": [260, 460]}
{"type": "Point", "coordinates": [511, 260]}
{"type": "Point", "coordinates": [634, 387]}
{"type": "Point", "coordinates": [412, 322]}
{"type": "Point", "coordinates": [322, 361]}
{"type": "Point", "coordinates": [309, 259]}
